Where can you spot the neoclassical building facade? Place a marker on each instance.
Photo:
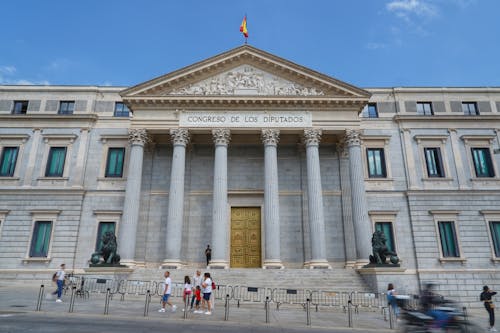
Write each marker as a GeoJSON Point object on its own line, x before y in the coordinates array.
{"type": "Point", "coordinates": [272, 164]}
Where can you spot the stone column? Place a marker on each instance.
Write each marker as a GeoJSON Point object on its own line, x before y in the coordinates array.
{"type": "Point", "coordinates": [315, 200]}
{"type": "Point", "coordinates": [35, 142]}
{"type": "Point", "coordinates": [349, 236]}
{"type": "Point", "coordinates": [81, 158]}
{"type": "Point", "coordinates": [358, 198]}
{"type": "Point", "coordinates": [220, 225]}
{"type": "Point", "coordinates": [272, 256]}
{"type": "Point", "coordinates": [180, 139]}
{"type": "Point", "coordinates": [130, 218]}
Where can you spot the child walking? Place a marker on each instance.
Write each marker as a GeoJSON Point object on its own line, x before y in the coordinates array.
{"type": "Point", "coordinates": [187, 292]}
{"type": "Point", "coordinates": [197, 295]}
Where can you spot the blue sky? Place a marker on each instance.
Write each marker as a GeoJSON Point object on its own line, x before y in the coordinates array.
{"type": "Point", "coordinates": [368, 43]}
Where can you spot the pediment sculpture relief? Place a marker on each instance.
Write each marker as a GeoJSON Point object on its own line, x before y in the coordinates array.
{"type": "Point", "coordinates": [246, 80]}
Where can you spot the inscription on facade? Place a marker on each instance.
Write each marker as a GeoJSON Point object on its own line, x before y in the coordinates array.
{"type": "Point", "coordinates": [245, 119]}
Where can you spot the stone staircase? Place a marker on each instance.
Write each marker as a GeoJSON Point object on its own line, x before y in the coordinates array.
{"type": "Point", "coordinates": [335, 279]}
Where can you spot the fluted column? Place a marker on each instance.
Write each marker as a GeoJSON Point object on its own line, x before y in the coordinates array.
{"type": "Point", "coordinates": [349, 236]}
{"type": "Point", "coordinates": [312, 138]}
{"type": "Point", "coordinates": [272, 256]}
{"type": "Point", "coordinates": [175, 217]}
{"type": "Point", "coordinates": [130, 218]}
{"type": "Point", "coordinates": [220, 225]}
{"type": "Point", "coordinates": [358, 197]}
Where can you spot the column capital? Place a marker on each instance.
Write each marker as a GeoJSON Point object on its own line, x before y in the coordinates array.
{"type": "Point", "coordinates": [270, 136]}
{"type": "Point", "coordinates": [221, 136]}
{"type": "Point", "coordinates": [137, 136]}
{"type": "Point", "coordinates": [353, 137]}
{"type": "Point", "coordinates": [312, 136]}
{"type": "Point", "coordinates": [179, 136]}
{"type": "Point", "coordinates": [341, 147]}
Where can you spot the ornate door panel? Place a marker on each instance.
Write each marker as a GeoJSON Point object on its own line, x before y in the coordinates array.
{"type": "Point", "coordinates": [245, 237]}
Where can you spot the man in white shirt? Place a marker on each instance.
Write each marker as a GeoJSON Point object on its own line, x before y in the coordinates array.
{"type": "Point", "coordinates": [197, 279]}
{"type": "Point", "coordinates": [60, 282]}
{"type": "Point", "coordinates": [166, 293]}
{"type": "Point", "coordinates": [206, 288]}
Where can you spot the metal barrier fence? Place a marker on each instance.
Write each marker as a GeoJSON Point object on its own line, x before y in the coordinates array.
{"type": "Point", "coordinates": [245, 294]}
{"type": "Point", "coordinates": [290, 296]}
{"type": "Point", "coordinates": [330, 299]}
{"type": "Point", "coordinates": [136, 287]}
{"type": "Point", "coordinates": [100, 286]}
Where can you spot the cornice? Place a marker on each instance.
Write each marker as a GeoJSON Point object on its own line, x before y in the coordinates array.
{"type": "Point", "coordinates": [446, 118]}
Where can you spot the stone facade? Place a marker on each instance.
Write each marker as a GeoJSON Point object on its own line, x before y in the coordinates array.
{"type": "Point", "coordinates": [319, 199]}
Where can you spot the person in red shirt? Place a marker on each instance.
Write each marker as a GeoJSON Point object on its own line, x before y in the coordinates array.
{"type": "Point", "coordinates": [197, 295]}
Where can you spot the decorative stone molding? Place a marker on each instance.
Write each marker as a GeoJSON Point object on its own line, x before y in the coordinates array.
{"type": "Point", "coordinates": [270, 136]}
{"type": "Point", "coordinates": [312, 136]}
{"type": "Point", "coordinates": [221, 136]}
{"type": "Point", "coordinates": [179, 136]}
{"type": "Point", "coordinates": [137, 136]}
{"type": "Point", "coordinates": [341, 147]}
{"type": "Point", "coordinates": [247, 80]}
{"type": "Point", "coordinates": [353, 138]}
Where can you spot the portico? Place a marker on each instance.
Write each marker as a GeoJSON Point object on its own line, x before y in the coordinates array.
{"type": "Point", "coordinates": [261, 125]}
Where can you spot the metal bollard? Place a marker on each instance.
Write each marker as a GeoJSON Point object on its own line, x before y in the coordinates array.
{"type": "Point", "coordinates": [106, 303]}
{"type": "Point", "coordinates": [226, 309]}
{"type": "Point", "coordinates": [466, 319]}
{"type": "Point", "coordinates": [266, 306]}
{"type": "Point", "coordinates": [146, 303]}
{"type": "Point", "coordinates": [40, 298]}
{"type": "Point", "coordinates": [391, 319]}
{"type": "Point", "coordinates": [72, 300]}
{"type": "Point", "coordinates": [349, 313]}
{"type": "Point", "coordinates": [308, 312]}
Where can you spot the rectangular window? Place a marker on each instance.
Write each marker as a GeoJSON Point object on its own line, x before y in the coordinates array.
{"type": "Point", "coordinates": [448, 237]}
{"type": "Point", "coordinates": [66, 107]}
{"type": "Point", "coordinates": [20, 107]}
{"type": "Point", "coordinates": [376, 162]}
{"type": "Point", "coordinates": [495, 236]}
{"type": "Point", "coordinates": [434, 162]}
{"type": "Point", "coordinates": [114, 164]}
{"type": "Point", "coordinates": [55, 163]}
{"type": "Point", "coordinates": [121, 110]}
{"type": "Point", "coordinates": [8, 161]}
{"type": "Point", "coordinates": [482, 162]}
{"type": "Point", "coordinates": [372, 110]}
{"type": "Point", "coordinates": [386, 228]}
{"type": "Point", "coordinates": [101, 230]}
{"type": "Point", "coordinates": [41, 239]}
{"type": "Point", "coordinates": [470, 108]}
{"type": "Point", "coordinates": [425, 108]}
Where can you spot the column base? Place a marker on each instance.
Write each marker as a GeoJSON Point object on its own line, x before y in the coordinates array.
{"type": "Point", "coordinates": [350, 264]}
{"type": "Point", "coordinates": [218, 264]}
{"type": "Point", "coordinates": [318, 264]}
{"type": "Point", "coordinates": [172, 264]}
{"type": "Point", "coordinates": [361, 262]}
{"type": "Point", "coordinates": [272, 264]}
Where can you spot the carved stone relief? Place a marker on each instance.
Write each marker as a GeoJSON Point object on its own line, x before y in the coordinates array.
{"type": "Point", "coordinates": [246, 80]}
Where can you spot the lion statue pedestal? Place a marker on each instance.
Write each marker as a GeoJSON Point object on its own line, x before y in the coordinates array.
{"type": "Point", "coordinates": [107, 255]}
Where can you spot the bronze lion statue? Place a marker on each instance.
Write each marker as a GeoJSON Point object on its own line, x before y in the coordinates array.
{"type": "Point", "coordinates": [107, 251]}
{"type": "Point", "coordinates": [380, 250]}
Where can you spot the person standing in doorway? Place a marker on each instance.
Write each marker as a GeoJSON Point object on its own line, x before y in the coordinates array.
{"type": "Point", "coordinates": [489, 306]}
{"type": "Point", "coordinates": [208, 254]}
{"type": "Point", "coordinates": [166, 293]}
{"type": "Point", "coordinates": [60, 282]}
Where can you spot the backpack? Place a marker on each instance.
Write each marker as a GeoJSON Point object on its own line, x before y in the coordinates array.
{"type": "Point", "coordinates": [54, 277]}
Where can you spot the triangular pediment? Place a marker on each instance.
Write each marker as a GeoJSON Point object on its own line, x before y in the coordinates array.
{"type": "Point", "coordinates": [245, 73]}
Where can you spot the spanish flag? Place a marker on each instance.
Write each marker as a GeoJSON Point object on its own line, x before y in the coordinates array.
{"type": "Point", "coordinates": [243, 27]}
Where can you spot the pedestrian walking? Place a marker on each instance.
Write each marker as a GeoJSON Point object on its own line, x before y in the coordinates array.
{"type": "Point", "coordinates": [391, 299]}
{"type": "Point", "coordinates": [166, 293]}
{"type": "Point", "coordinates": [186, 293]}
{"type": "Point", "coordinates": [59, 279]}
{"type": "Point", "coordinates": [489, 306]}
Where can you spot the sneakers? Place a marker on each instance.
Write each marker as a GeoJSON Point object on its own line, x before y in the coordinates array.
{"type": "Point", "coordinates": [493, 329]}
{"type": "Point", "coordinates": [161, 310]}
{"type": "Point", "coordinates": [197, 311]}
{"type": "Point", "coordinates": [208, 313]}
{"type": "Point", "coordinates": [58, 300]}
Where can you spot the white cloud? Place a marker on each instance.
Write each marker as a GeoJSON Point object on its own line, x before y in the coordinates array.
{"type": "Point", "coordinates": [375, 46]}
{"type": "Point", "coordinates": [7, 69]}
{"type": "Point", "coordinates": [406, 8]}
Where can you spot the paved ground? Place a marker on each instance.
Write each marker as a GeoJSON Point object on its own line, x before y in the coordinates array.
{"type": "Point", "coordinates": [18, 305]}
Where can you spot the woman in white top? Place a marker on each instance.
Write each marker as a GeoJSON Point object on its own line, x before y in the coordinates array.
{"type": "Point", "coordinates": [206, 288]}
{"type": "Point", "coordinates": [187, 291]}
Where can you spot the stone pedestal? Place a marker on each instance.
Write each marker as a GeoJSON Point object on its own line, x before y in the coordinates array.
{"type": "Point", "coordinates": [109, 272]}
{"type": "Point", "coordinates": [379, 276]}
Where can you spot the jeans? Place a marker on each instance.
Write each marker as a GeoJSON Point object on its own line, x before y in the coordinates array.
{"type": "Point", "coordinates": [491, 312]}
{"type": "Point", "coordinates": [60, 284]}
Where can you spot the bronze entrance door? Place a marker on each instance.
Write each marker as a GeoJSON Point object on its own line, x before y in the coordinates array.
{"type": "Point", "coordinates": [245, 237]}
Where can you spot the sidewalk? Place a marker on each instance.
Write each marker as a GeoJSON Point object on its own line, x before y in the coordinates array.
{"type": "Point", "coordinates": [22, 298]}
